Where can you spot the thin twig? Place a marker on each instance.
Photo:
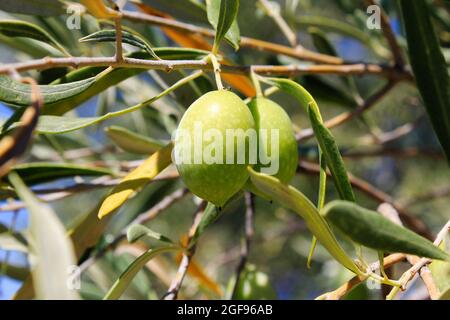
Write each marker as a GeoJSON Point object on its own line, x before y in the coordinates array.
{"type": "Point", "coordinates": [119, 49]}
{"type": "Point", "coordinates": [245, 247]}
{"type": "Point", "coordinates": [278, 19]}
{"type": "Point", "coordinates": [417, 265]}
{"type": "Point", "coordinates": [389, 34]}
{"type": "Point", "coordinates": [175, 286]}
{"type": "Point", "coordinates": [393, 152]}
{"type": "Point", "coordinates": [145, 217]}
{"type": "Point", "coordinates": [299, 53]}
{"type": "Point", "coordinates": [55, 194]}
{"type": "Point", "coordinates": [170, 65]}
{"type": "Point", "coordinates": [389, 212]}
{"type": "Point", "coordinates": [340, 292]}
{"type": "Point", "coordinates": [429, 196]}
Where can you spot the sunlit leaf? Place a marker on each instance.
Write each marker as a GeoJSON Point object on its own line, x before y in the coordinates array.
{"type": "Point", "coordinates": [135, 180]}
{"type": "Point", "coordinates": [222, 16]}
{"type": "Point", "coordinates": [128, 275]}
{"type": "Point", "coordinates": [50, 245]}
{"type": "Point", "coordinates": [440, 271]}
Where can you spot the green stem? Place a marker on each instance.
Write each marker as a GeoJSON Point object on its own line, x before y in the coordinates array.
{"type": "Point", "coordinates": [256, 84]}
{"type": "Point", "coordinates": [216, 68]}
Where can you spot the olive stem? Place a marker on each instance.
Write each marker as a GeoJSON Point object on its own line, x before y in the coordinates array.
{"type": "Point", "coordinates": [216, 68]}
{"type": "Point", "coordinates": [256, 84]}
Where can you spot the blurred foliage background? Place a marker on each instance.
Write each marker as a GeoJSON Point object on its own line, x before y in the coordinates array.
{"type": "Point", "coordinates": [392, 147]}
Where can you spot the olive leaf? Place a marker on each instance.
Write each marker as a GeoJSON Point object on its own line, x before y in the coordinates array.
{"type": "Point", "coordinates": [136, 179]}
{"type": "Point", "coordinates": [19, 94]}
{"type": "Point", "coordinates": [324, 137]}
{"type": "Point", "coordinates": [128, 275]}
{"type": "Point", "coordinates": [133, 142]}
{"type": "Point", "coordinates": [127, 37]}
{"type": "Point", "coordinates": [429, 66]}
{"type": "Point", "coordinates": [33, 7]}
{"type": "Point", "coordinates": [50, 244]}
{"type": "Point", "coordinates": [293, 199]}
{"type": "Point", "coordinates": [48, 124]}
{"type": "Point", "coordinates": [222, 16]}
{"type": "Point", "coordinates": [17, 28]}
{"type": "Point", "coordinates": [138, 231]}
{"type": "Point", "coordinates": [374, 231]}
{"type": "Point", "coordinates": [40, 172]}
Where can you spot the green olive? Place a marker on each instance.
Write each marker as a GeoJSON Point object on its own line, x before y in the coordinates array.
{"type": "Point", "coordinates": [210, 175]}
{"type": "Point", "coordinates": [270, 116]}
{"type": "Point", "coordinates": [254, 285]}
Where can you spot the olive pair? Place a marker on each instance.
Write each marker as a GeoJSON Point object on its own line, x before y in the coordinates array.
{"type": "Point", "coordinates": [215, 113]}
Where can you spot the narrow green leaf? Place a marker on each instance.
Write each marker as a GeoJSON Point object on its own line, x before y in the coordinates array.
{"type": "Point", "coordinates": [332, 155]}
{"type": "Point", "coordinates": [222, 16]}
{"type": "Point", "coordinates": [58, 125]}
{"type": "Point", "coordinates": [17, 28]}
{"type": "Point", "coordinates": [50, 245]}
{"type": "Point", "coordinates": [40, 172]}
{"type": "Point", "coordinates": [430, 69]}
{"type": "Point", "coordinates": [374, 231]}
{"type": "Point", "coordinates": [128, 275]}
{"type": "Point", "coordinates": [133, 142]}
{"type": "Point", "coordinates": [34, 7]}
{"type": "Point", "coordinates": [293, 199]}
{"type": "Point", "coordinates": [127, 37]}
{"type": "Point", "coordinates": [138, 231]}
{"type": "Point", "coordinates": [326, 140]}
{"type": "Point", "coordinates": [19, 94]}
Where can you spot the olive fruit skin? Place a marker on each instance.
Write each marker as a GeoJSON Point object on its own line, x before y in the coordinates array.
{"type": "Point", "coordinates": [254, 285]}
{"type": "Point", "coordinates": [269, 115]}
{"type": "Point", "coordinates": [218, 110]}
